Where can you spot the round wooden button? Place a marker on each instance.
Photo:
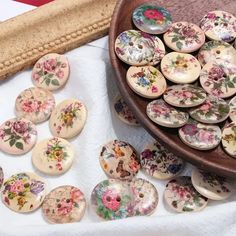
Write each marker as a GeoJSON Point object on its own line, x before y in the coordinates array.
{"type": "Point", "coordinates": [181, 196]}
{"type": "Point", "coordinates": [17, 136]}
{"type": "Point", "coordinates": [213, 50]}
{"type": "Point", "coordinates": [51, 72]}
{"type": "Point", "coordinates": [35, 104]}
{"type": "Point", "coordinates": [68, 118]}
{"type": "Point", "coordinates": [119, 160]}
{"type": "Point", "coordinates": [200, 136]}
{"type": "Point", "coordinates": [184, 95]}
{"type": "Point", "coordinates": [124, 113]}
{"type": "Point", "coordinates": [218, 78]}
{"type": "Point", "coordinates": [145, 197]}
{"type": "Point", "coordinates": [64, 204]}
{"type": "Point", "coordinates": [112, 199]}
{"type": "Point", "coordinates": [165, 115]}
{"type": "Point", "coordinates": [228, 139]}
{"type": "Point", "coordinates": [159, 51]}
{"type": "Point", "coordinates": [23, 192]}
{"type": "Point", "coordinates": [146, 81]}
{"type": "Point", "coordinates": [180, 68]}
{"type": "Point", "coordinates": [219, 25]}
{"type": "Point", "coordinates": [232, 105]}
{"type": "Point", "coordinates": [135, 48]}
{"type": "Point", "coordinates": [159, 162]}
{"type": "Point", "coordinates": [212, 186]}
{"type": "Point", "coordinates": [214, 110]}
{"type": "Point", "coordinates": [1, 177]}
{"type": "Point", "coordinates": [184, 37]}
{"type": "Point", "coordinates": [53, 156]}
{"type": "Point", "coordinates": [152, 19]}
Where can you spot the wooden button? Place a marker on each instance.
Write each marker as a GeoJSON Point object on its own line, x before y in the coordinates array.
{"type": "Point", "coordinates": [228, 139]}
{"type": "Point", "coordinates": [159, 51]}
{"type": "Point", "coordinates": [232, 105]}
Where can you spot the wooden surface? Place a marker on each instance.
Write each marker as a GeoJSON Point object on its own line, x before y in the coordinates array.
{"type": "Point", "coordinates": [186, 10]}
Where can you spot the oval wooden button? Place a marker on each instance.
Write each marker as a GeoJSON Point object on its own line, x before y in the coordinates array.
{"type": "Point", "coordinates": [119, 160]}
{"type": "Point", "coordinates": [228, 139]}
{"type": "Point", "coordinates": [53, 156]}
{"type": "Point", "coordinates": [68, 118]}
{"type": "Point", "coordinates": [160, 163]}
{"type": "Point", "coordinates": [23, 192]}
{"type": "Point", "coordinates": [232, 105]}
{"type": "Point", "coordinates": [17, 136]}
{"type": "Point", "coordinates": [64, 204]}
{"type": "Point", "coordinates": [184, 37]}
{"type": "Point", "coordinates": [181, 196]}
{"type": "Point", "coordinates": [159, 51]}
{"type": "Point", "coordinates": [51, 71]}
{"type": "Point", "coordinates": [146, 81]}
{"type": "Point", "coordinates": [1, 177]}
{"type": "Point", "coordinates": [180, 68]}
{"type": "Point", "coordinates": [35, 104]}
{"type": "Point", "coordinates": [212, 186]}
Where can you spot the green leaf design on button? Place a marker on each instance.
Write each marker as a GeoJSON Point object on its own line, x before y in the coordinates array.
{"type": "Point", "coordinates": [55, 82]}
{"type": "Point", "coordinates": [19, 146]}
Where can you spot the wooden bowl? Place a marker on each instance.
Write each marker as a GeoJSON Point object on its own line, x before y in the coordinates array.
{"type": "Point", "coordinates": [215, 160]}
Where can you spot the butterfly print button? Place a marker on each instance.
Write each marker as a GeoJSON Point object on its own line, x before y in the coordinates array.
{"type": "Point", "coordinates": [228, 139]}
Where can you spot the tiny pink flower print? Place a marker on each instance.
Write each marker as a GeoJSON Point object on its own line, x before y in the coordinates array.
{"type": "Point", "coordinates": [190, 129]}
{"type": "Point", "coordinates": [111, 200]}
{"type": "Point", "coordinates": [216, 73]}
{"type": "Point", "coordinates": [30, 106]}
{"type": "Point", "coordinates": [206, 107]}
{"type": "Point", "coordinates": [17, 187]}
{"type": "Point", "coordinates": [187, 94]}
{"type": "Point", "coordinates": [60, 74]}
{"type": "Point", "coordinates": [154, 89]}
{"type": "Point", "coordinates": [64, 207]}
{"type": "Point", "coordinates": [76, 195]}
{"type": "Point", "coordinates": [50, 65]}
{"type": "Point", "coordinates": [162, 110]}
{"type": "Point", "coordinates": [211, 16]}
{"type": "Point", "coordinates": [20, 127]}
{"type": "Point", "coordinates": [205, 136]}
{"type": "Point", "coordinates": [2, 134]}
{"type": "Point", "coordinates": [36, 76]}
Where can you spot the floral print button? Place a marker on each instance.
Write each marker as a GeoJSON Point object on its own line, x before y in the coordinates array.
{"type": "Point", "coordinates": [219, 25]}
{"type": "Point", "coordinates": [184, 37]}
{"type": "Point", "coordinates": [64, 204]}
{"type": "Point", "coordinates": [212, 186]}
{"type": "Point", "coordinates": [181, 196]}
{"type": "Point", "coordinates": [180, 68]}
{"type": "Point", "coordinates": [112, 199]}
{"type": "Point", "coordinates": [184, 95]}
{"type": "Point", "coordinates": [232, 105]}
{"type": "Point", "coordinates": [146, 81]}
{"type": "Point", "coordinates": [1, 177]}
{"type": "Point", "coordinates": [53, 156]}
{"type": "Point", "coordinates": [228, 139]}
{"type": "Point", "coordinates": [119, 160]}
{"type": "Point", "coordinates": [152, 19]}
{"type": "Point", "coordinates": [145, 197]}
{"type": "Point", "coordinates": [17, 136]}
{"type": "Point", "coordinates": [135, 48]}
{"type": "Point", "coordinates": [200, 136]}
{"type": "Point", "coordinates": [124, 113]}
{"type": "Point", "coordinates": [68, 118]}
{"type": "Point", "coordinates": [23, 192]}
{"type": "Point", "coordinates": [159, 162]}
{"type": "Point", "coordinates": [159, 51]}
{"type": "Point", "coordinates": [218, 78]}
{"type": "Point", "coordinates": [214, 110]}
{"type": "Point", "coordinates": [51, 72]}
{"type": "Point", "coordinates": [35, 104]}
{"type": "Point", "coordinates": [213, 50]}
{"type": "Point", "coordinates": [165, 115]}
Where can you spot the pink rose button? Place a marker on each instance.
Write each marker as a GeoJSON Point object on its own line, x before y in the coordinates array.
{"type": "Point", "coordinates": [17, 136]}
{"type": "Point", "coordinates": [51, 72]}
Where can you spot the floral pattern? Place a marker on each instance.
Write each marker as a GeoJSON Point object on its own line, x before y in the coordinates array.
{"type": "Point", "coordinates": [181, 196]}
{"type": "Point", "coordinates": [65, 204]}
{"type": "Point", "coordinates": [229, 139]}
{"type": "Point", "coordinates": [159, 52]}
{"type": "Point", "coordinates": [232, 106]}
{"type": "Point", "coordinates": [1, 177]}
{"type": "Point", "coordinates": [159, 162]}
{"type": "Point", "coordinates": [23, 192]}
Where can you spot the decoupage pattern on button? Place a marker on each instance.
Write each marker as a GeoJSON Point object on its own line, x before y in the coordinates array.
{"type": "Point", "coordinates": [184, 37]}
{"type": "Point", "coordinates": [152, 19]}
{"type": "Point", "coordinates": [218, 78]}
{"type": "Point", "coordinates": [184, 95]}
{"type": "Point", "coordinates": [212, 186]}
{"type": "Point", "coordinates": [51, 71]}
{"type": "Point", "coordinates": [181, 196]}
{"type": "Point", "coordinates": [53, 156]}
{"type": "Point", "coordinates": [229, 139]}
{"type": "Point", "coordinates": [159, 162]}
{"type": "Point", "coordinates": [64, 204]}
{"type": "Point", "coordinates": [17, 136]}
{"type": "Point", "coordinates": [119, 160]}
{"type": "Point", "coordinates": [180, 68]}
{"type": "Point", "coordinates": [112, 199]}
{"type": "Point", "coordinates": [159, 51]}
{"type": "Point", "coordinates": [219, 25]}
{"type": "Point", "coordinates": [35, 104]}
{"type": "Point", "coordinates": [232, 105]}
{"type": "Point", "coordinates": [145, 197]}
{"type": "Point", "coordinates": [165, 115]}
{"type": "Point", "coordinates": [146, 81]}
{"type": "Point", "coordinates": [1, 177]}
{"type": "Point", "coordinates": [68, 118]}
{"type": "Point", "coordinates": [23, 192]}
{"type": "Point", "coordinates": [200, 136]}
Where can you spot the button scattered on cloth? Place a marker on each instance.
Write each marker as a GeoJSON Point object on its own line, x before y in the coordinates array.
{"type": "Point", "coordinates": [228, 139]}
{"type": "Point", "coordinates": [232, 105]}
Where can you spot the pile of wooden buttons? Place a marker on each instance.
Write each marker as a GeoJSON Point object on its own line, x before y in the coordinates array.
{"type": "Point", "coordinates": [26, 192]}
{"type": "Point", "coordinates": [190, 86]}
